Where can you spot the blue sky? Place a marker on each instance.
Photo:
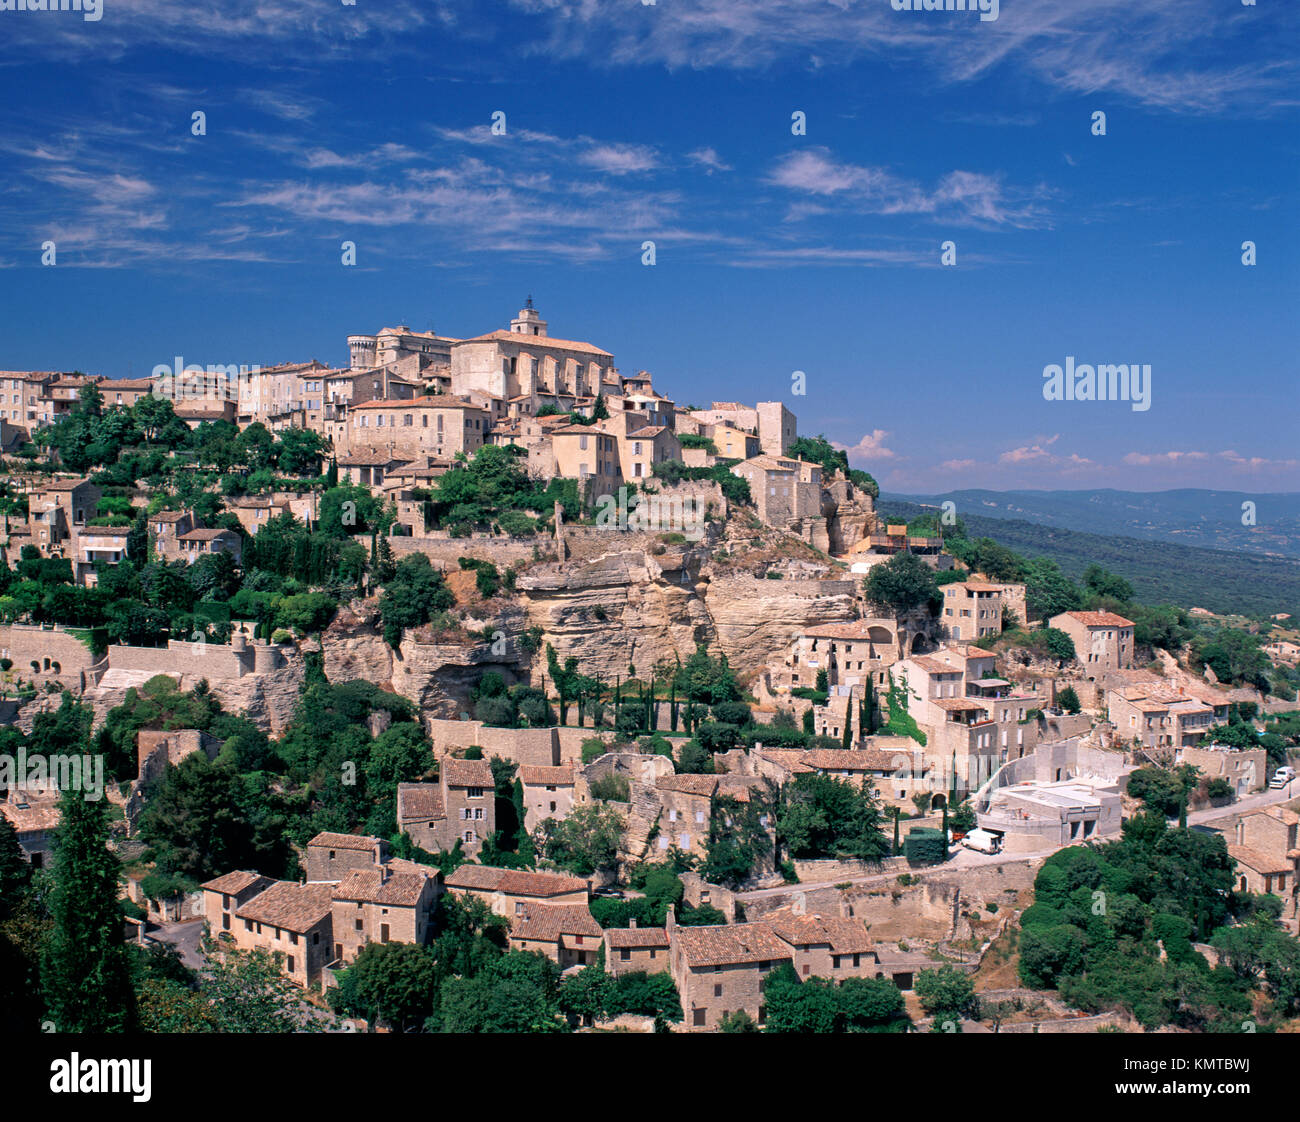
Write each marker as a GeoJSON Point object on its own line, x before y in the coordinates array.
{"type": "Point", "coordinates": [671, 122]}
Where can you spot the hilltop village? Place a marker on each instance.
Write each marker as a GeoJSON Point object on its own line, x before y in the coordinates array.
{"type": "Point", "coordinates": [480, 686]}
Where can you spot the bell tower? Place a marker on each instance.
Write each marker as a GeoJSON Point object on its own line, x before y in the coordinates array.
{"type": "Point", "coordinates": [528, 322]}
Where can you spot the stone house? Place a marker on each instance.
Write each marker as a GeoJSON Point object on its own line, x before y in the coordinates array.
{"type": "Point", "coordinates": [439, 426]}
{"type": "Point", "coordinates": [35, 816]}
{"type": "Point", "coordinates": [565, 933]}
{"type": "Point", "coordinates": [280, 916]}
{"type": "Point", "coordinates": [330, 857]}
{"type": "Point", "coordinates": [97, 545]}
{"type": "Point", "coordinates": [825, 946]}
{"type": "Point", "coordinates": [1245, 769]}
{"type": "Point", "coordinates": [1266, 848]}
{"type": "Point", "coordinates": [629, 949]}
{"type": "Point", "coordinates": [380, 905]}
{"type": "Point", "coordinates": [720, 970]}
{"type": "Point", "coordinates": [508, 892]}
{"type": "Point", "coordinates": [1103, 641]}
{"type": "Point", "coordinates": [200, 543]}
{"type": "Point", "coordinates": [1158, 717]}
{"type": "Point", "coordinates": [460, 806]}
{"type": "Point", "coordinates": [548, 792]}
{"type": "Point", "coordinates": [971, 610]}
{"type": "Point", "coordinates": [57, 509]}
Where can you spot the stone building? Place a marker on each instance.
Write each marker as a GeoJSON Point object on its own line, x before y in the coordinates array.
{"type": "Point", "coordinates": [439, 426]}
{"type": "Point", "coordinates": [1266, 847]}
{"type": "Point", "coordinates": [380, 905]}
{"type": "Point", "coordinates": [565, 933]}
{"type": "Point", "coordinates": [1103, 641]}
{"type": "Point", "coordinates": [508, 892]}
{"type": "Point", "coordinates": [461, 806]}
{"type": "Point", "coordinates": [971, 610]}
{"type": "Point", "coordinates": [825, 946]}
{"type": "Point", "coordinates": [720, 970]}
{"type": "Point", "coordinates": [294, 920]}
{"type": "Point", "coordinates": [548, 792]}
{"type": "Point", "coordinates": [629, 949]}
{"type": "Point", "coordinates": [330, 857]}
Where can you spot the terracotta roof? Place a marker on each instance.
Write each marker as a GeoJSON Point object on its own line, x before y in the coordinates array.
{"type": "Point", "coordinates": [957, 704]}
{"type": "Point", "coordinates": [636, 937]}
{"type": "Point", "coordinates": [1258, 860]}
{"type": "Point", "coordinates": [371, 457]}
{"type": "Point", "coordinates": [547, 922]}
{"type": "Point", "coordinates": [419, 802]}
{"type": "Point", "coordinates": [513, 882]}
{"type": "Point", "coordinates": [235, 882]}
{"type": "Point", "coordinates": [538, 776]}
{"type": "Point", "coordinates": [61, 485]}
{"type": "Point", "coordinates": [104, 531]}
{"type": "Point", "coordinates": [295, 907]}
{"type": "Point", "coordinates": [402, 890]}
{"type": "Point", "coordinates": [169, 516]}
{"type": "Point", "coordinates": [33, 816]}
{"type": "Point", "coordinates": [126, 384]}
{"type": "Point", "coordinates": [542, 342]}
{"type": "Point", "coordinates": [792, 759]}
{"type": "Point", "coordinates": [934, 666]}
{"type": "Point", "coordinates": [205, 535]}
{"type": "Point", "coordinates": [865, 759]}
{"type": "Point", "coordinates": [1099, 619]}
{"type": "Point", "coordinates": [344, 841]}
{"type": "Point", "coordinates": [467, 773]}
{"type": "Point", "coordinates": [731, 944]}
{"type": "Point", "coordinates": [440, 401]}
{"type": "Point", "coordinates": [688, 784]}
{"type": "Point", "coordinates": [844, 936]}
{"type": "Point", "coordinates": [649, 432]}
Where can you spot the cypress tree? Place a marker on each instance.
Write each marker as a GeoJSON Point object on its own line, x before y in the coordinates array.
{"type": "Point", "coordinates": [672, 704]}
{"type": "Point", "coordinates": [848, 724]}
{"type": "Point", "coordinates": [14, 870]}
{"type": "Point", "coordinates": [897, 814]}
{"type": "Point", "coordinates": [86, 974]}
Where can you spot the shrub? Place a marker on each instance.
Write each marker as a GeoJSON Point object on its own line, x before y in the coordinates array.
{"type": "Point", "coordinates": [925, 847]}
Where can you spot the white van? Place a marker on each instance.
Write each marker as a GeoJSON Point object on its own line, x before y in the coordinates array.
{"type": "Point", "coordinates": [981, 841]}
{"type": "Point", "coordinates": [1281, 778]}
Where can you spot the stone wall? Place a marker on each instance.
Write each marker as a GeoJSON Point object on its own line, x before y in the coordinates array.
{"type": "Point", "coordinates": [26, 644]}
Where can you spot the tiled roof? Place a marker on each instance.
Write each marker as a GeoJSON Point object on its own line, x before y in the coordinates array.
{"type": "Point", "coordinates": [1100, 619]}
{"type": "Point", "coordinates": [542, 342]}
{"type": "Point", "coordinates": [934, 666]}
{"type": "Point", "coordinates": [865, 759]}
{"type": "Point", "coordinates": [513, 882]}
{"type": "Point", "coordinates": [467, 773]}
{"type": "Point", "coordinates": [61, 485]}
{"type": "Point", "coordinates": [402, 890]}
{"type": "Point", "coordinates": [371, 457]}
{"type": "Point", "coordinates": [792, 759]}
{"type": "Point", "coordinates": [235, 882]}
{"type": "Point", "coordinates": [295, 907]}
{"type": "Point", "coordinates": [204, 535]}
{"type": "Point", "coordinates": [169, 516]}
{"type": "Point", "coordinates": [731, 944]}
{"type": "Point", "coordinates": [547, 922]}
{"type": "Point", "coordinates": [1258, 860]}
{"type": "Point", "coordinates": [537, 776]}
{"type": "Point", "coordinates": [957, 704]}
{"type": "Point", "coordinates": [345, 841]}
{"type": "Point", "coordinates": [104, 531]}
{"type": "Point", "coordinates": [419, 802]}
{"type": "Point", "coordinates": [636, 937]}
{"type": "Point", "coordinates": [688, 784]}
{"type": "Point", "coordinates": [845, 936]}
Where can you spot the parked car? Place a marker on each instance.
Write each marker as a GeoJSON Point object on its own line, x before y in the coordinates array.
{"type": "Point", "coordinates": [1281, 778]}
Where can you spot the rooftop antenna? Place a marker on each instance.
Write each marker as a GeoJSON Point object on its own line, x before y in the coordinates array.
{"type": "Point", "coordinates": [529, 302]}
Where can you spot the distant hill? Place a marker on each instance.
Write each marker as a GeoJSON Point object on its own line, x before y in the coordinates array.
{"type": "Point", "coordinates": [1160, 572]}
{"type": "Point", "coordinates": [1210, 519]}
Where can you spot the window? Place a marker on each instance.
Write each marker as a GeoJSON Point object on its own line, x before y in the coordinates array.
{"type": "Point", "coordinates": [697, 1018]}
{"type": "Point", "coordinates": [360, 926]}
{"type": "Point", "coordinates": [290, 964]}
{"type": "Point", "coordinates": [625, 954]}
{"type": "Point", "coordinates": [293, 938]}
{"type": "Point", "coordinates": [473, 792]}
{"type": "Point", "coordinates": [717, 990]}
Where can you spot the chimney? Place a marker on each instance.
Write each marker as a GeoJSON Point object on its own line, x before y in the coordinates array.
{"type": "Point", "coordinates": [632, 922]}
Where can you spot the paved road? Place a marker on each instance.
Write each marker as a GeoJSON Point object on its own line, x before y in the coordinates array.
{"type": "Point", "coordinates": [184, 937]}
{"type": "Point", "coordinates": [1250, 802]}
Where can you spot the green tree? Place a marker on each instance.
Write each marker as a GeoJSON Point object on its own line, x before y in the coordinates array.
{"type": "Point", "coordinates": [87, 970]}
{"type": "Point", "coordinates": [903, 583]}
{"type": "Point", "coordinates": [946, 994]}
{"type": "Point", "coordinates": [392, 984]}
